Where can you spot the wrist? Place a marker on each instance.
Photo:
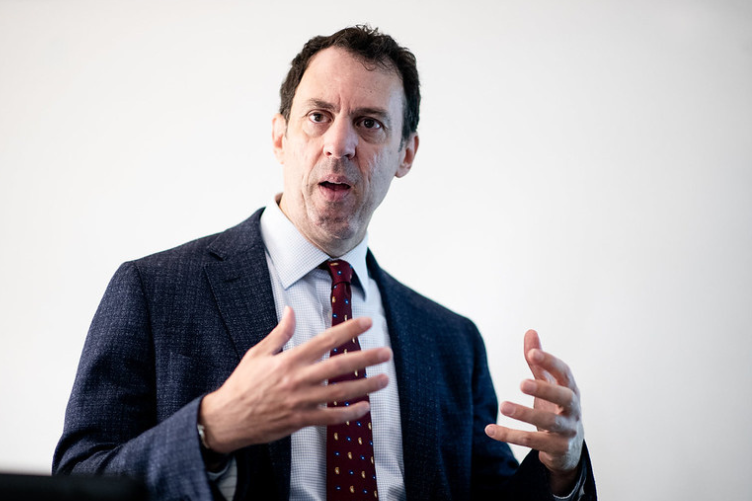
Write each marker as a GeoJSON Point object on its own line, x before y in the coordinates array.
{"type": "Point", "coordinates": [213, 460]}
{"type": "Point", "coordinates": [212, 451]}
{"type": "Point", "coordinates": [562, 483]}
{"type": "Point", "coordinates": [210, 422]}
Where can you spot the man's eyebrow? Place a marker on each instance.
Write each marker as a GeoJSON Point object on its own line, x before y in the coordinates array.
{"type": "Point", "coordinates": [318, 103]}
{"type": "Point", "coordinates": [379, 113]}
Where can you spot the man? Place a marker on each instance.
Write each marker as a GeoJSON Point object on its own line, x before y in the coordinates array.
{"type": "Point", "coordinates": [205, 370]}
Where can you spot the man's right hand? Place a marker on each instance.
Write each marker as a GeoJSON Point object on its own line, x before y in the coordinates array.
{"type": "Point", "coordinates": [273, 393]}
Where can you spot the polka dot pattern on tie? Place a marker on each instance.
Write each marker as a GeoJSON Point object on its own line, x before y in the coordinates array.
{"type": "Point", "coordinates": [350, 469]}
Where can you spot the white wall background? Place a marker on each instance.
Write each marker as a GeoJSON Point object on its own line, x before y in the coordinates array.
{"type": "Point", "coordinates": [595, 156]}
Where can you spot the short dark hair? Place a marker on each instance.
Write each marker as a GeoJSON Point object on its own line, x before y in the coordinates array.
{"type": "Point", "coordinates": [368, 44]}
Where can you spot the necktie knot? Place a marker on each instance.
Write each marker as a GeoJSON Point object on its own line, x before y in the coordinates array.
{"type": "Point", "coordinates": [340, 270]}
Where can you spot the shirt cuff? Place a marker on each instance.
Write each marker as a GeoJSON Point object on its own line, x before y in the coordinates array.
{"type": "Point", "coordinates": [578, 491]}
{"type": "Point", "coordinates": [216, 475]}
{"type": "Point", "coordinates": [227, 479]}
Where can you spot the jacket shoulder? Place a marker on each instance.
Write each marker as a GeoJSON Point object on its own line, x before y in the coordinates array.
{"type": "Point", "coordinates": [401, 298]}
{"type": "Point", "coordinates": [416, 298]}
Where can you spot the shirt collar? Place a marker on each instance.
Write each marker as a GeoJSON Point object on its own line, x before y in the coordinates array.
{"type": "Point", "coordinates": [294, 256]}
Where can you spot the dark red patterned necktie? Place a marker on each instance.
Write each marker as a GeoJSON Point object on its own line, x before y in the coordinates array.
{"type": "Point", "coordinates": [350, 470]}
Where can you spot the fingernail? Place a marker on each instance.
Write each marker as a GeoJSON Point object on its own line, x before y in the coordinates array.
{"type": "Point", "coordinates": [507, 409]}
{"type": "Point", "coordinates": [364, 322]}
{"type": "Point", "coordinates": [490, 430]}
{"type": "Point", "coordinates": [537, 356]}
{"type": "Point", "coordinates": [528, 386]}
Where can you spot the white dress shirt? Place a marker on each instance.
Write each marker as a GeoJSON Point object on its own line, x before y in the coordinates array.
{"type": "Point", "coordinates": [298, 282]}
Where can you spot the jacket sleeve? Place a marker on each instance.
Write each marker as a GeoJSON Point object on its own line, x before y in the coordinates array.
{"type": "Point", "coordinates": [112, 423]}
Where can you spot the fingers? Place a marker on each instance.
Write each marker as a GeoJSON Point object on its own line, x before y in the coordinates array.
{"type": "Point", "coordinates": [541, 441]}
{"type": "Point", "coordinates": [556, 411]}
{"type": "Point", "coordinates": [564, 424]}
{"type": "Point", "coordinates": [343, 364]}
{"type": "Point", "coordinates": [348, 362]}
{"type": "Point", "coordinates": [566, 398]}
{"type": "Point", "coordinates": [544, 366]}
{"type": "Point", "coordinates": [532, 342]}
{"type": "Point", "coordinates": [346, 390]}
{"type": "Point", "coordinates": [549, 364]}
{"type": "Point", "coordinates": [331, 338]}
{"type": "Point", "coordinates": [336, 415]}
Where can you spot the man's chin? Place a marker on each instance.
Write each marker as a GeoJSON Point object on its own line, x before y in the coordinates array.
{"type": "Point", "coordinates": [338, 233]}
{"type": "Point", "coordinates": [337, 238]}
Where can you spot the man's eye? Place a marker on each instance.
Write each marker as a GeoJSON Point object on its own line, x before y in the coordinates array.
{"type": "Point", "coordinates": [317, 117]}
{"type": "Point", "coordinates": [370, 123]}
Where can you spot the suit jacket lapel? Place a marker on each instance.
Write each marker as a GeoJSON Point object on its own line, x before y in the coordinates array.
{"type": "Point", "coordinates": [239, 279]}
{"type": "Point", "coordinates": [240, 283]}
{"type": "Point", "coordinates": [414, 355]}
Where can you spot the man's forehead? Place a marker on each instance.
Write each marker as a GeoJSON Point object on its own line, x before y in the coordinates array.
{"type": "Point", "coordinates": [334, 74]}
{"type": "Point", "coordinates": [342, 55]}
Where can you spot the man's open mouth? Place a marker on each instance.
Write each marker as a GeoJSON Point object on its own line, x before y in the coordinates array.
{"type": "Point", "coordinates": [335, 186]}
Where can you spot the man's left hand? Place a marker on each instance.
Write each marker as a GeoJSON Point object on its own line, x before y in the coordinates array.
{"type": "Point", "coordinates": [556, 414]}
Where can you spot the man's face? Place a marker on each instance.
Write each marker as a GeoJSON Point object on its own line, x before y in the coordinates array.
{"type": "Point", "coordinates": [341, 148]}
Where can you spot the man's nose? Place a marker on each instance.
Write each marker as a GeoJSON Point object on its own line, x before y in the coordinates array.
{"type": "Point", "coordinates": [340, 140]}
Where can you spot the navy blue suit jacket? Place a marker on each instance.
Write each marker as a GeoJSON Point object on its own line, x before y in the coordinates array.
{"type": "Point", "coordinates": [172, 327]}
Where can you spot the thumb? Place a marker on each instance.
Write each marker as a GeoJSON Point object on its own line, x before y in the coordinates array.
{"type": "Point", "coordinates": [532, 342]}
{"type": "Point", "coordinates": [280, 335]}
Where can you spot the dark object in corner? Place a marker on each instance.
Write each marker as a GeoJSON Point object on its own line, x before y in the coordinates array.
{"type": "Point", "coordinates": [16, 487]}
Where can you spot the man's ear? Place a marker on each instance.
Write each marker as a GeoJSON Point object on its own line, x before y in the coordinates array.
{"type": "Point", "coordinates": [408, 155]}
{"type": "Point", "coordinates": [279, 128]}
